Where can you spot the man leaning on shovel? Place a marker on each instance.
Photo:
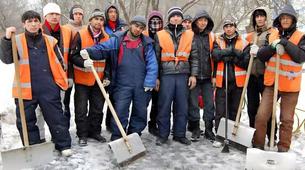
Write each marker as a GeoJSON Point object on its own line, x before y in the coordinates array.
{"type": "Point", "coordinates": [289, 43]}
{"type": "Point", "coordinates": [42, 77]}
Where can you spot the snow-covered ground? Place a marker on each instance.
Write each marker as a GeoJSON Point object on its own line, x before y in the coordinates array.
{"type": "Point", "coordinates": [199, 155]}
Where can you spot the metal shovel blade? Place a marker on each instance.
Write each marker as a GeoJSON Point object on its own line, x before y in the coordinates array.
{"type": "Point", "coordinates": [267, 160]}
{"type": "Point", "coordinates": [28, 157]}
{"type": "Point", "coordinates": [243, 136]}
{"type": "Point", "coordinates": [121, 153]}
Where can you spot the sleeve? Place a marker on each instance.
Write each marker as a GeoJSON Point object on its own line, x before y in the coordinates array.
{"type": "Point", "coordinates": [194, 59]}
{"type": "Point", "coordinates": [151, 67]}
{"type": "Point", "coordinates": [158, 50]}
{"type": "Point", "coordinates": [242, 58]}
{"type": "Point", "coordinates": [103, 50]}
{"type": "Point", "coordinates": [75, 57]}
{"type": "Point", "coordinates": [296, 52]}
{"type": "Point", "coordinates": [216, 54]}
{"type": "Point", "coordinates": [6, 49]}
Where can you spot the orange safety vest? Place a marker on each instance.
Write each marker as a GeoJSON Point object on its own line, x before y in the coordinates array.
{"type": "Point", "coordinates": [168, 49]}
{"type": "Point", "coordinates": [240, 73]}
{"type": "Point", "coordinates": [58, 72]}
{"type": "Point", "coordinates": [290, 72]}
{"type": "Point", "coordinates": [85, 76]}
{"type": "Point", "coordinates": [67, 36]}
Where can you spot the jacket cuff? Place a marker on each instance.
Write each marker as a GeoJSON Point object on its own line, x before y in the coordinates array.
{"type": "Point", "coordinates": [283, 41]}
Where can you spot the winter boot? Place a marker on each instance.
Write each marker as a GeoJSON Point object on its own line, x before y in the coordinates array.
{"type": "Point", "coordinates": [191, 125]}
{"type": "Point", "coordinates": [182, 140]}
{"type": "Point", "coordinates": [196, 131]}
{"type": "Point", "coordinates": [152, 128]}
{"type": "Point", "coordinates": [208, 133]}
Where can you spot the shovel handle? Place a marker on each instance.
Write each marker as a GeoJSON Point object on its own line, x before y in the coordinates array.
{"type": "Point", "coordinates": [113, 112]}
{"type": "Point", "coordinates": [275, 94]}
{"type": "Point", "coordinates": [237, 120]}
{"type": "Point", "coordinates": [19, 92]}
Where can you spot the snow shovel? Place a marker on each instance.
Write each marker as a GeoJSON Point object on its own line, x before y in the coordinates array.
{"type": "Point", "coordinates": [260, 160]}
{"type": "Point", "coordinates": [28, 156]}
{"type": "Point", "coordinates": [127, 148]}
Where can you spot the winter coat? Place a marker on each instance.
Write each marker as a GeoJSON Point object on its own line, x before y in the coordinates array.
{"type": "Point", "coordinates": [296, 52]}
{"type": "Point", "coordinates": [202, 41]}
{"type": "Point", "coordinates": [190, 67]}
{"type": "Point", "coordinates": [238, 58]}
{"type": "Point", "coordinates": [110, 50]}
{"type": "Point", "coordinates": [150, 16]}
{"type": "Point", "coordinates": [119, 22]}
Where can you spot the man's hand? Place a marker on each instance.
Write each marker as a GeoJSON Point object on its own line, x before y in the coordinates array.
{"type": "Point", "coordinates": [9, 31]}
{"type": "Point", "coordinates": [275, 43]}
{"type": "Point", "coordinates": [253, 50]}
{"type": "Point", "coordinates": [106, 82]}
{"type": "Point", "coordinates": [88, 63]}
{"type": "Point", "coordinates": [84, 53]}
{"type": "Point", "coordinates": [214, 83]}
{"type": "Point", "coordinates": [280, 50]}
{"type": "Point", "coordinates": [192, 82]}
{"type": "Point", "coordinates": [157, 85]}
{"type": "Point", "coordinates": [70, 82]}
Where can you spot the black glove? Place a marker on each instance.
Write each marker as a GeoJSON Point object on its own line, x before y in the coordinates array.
{"type": "Point", "coordinates": [238, 54]}
{"type": "Point", "coordinates": [226, 52]}
{"type": "Point", "coordinates": [227, 59]}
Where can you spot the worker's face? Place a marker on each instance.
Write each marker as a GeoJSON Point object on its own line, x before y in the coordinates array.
{"type": "Point", "coordinates": [53, 18]}
{"type": "Point", "coordinates": [229, 29]}
{"type": "Point", "coordinates": [32, 25]}
{"type": "Point", "coordinates": [97, 23]}
{"type": "Point", "coordinates": [175, 20]}
{"type": "Point", "coordinates": [78, 17]}
{"type": "Point", "coordinates": [286, 21]}
{"type": "Point", "coordinates": [260, 20]}
{"type": "Point", "coordinates": [113, 15]}
{"type": "Point", "coordinates": [136, 29]}
{"type": "Point", "coordinates": [187, 24]}
{"type": "Point", "coordinates": [202, 23]}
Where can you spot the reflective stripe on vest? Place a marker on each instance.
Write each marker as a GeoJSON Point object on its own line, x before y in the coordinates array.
{"type": "Point", "coordinates": [58, 73]}
{"type": "Point", "coordinates": [240, 73]}
{"type": "Point", "coordinates": [85, 76]}
{"type": "Point", "coordinates": [168, 48]}
{"type": "Point", "coordinates": [66, 35]}
{"type": "Point", "coordinates": [290, 72]}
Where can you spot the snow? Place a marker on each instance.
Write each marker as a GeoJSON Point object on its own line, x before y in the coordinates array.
{"type": "Point", "coordinates": [199, 155]}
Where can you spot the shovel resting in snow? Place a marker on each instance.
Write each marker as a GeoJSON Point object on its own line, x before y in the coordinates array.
{"type": "Point", "coordinates": [127, 148]}
{"type": "Point", "coordinates": [264, 160]}
{"type": "Point", "coordinates": [28, 156]}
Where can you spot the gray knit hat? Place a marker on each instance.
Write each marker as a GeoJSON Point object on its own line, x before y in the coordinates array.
{"type": "Point", "coordinates": [174, 11]}
{"type": "Point", "coordinates": [96, 13]}
{"type": "Point", "coordinates": [139, 20]}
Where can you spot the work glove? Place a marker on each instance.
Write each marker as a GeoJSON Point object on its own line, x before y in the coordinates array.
{"type": "Point", "coordinates": [84, 53]}
{"type": "Point", "coordinates": [280, 50]}
{"type": "Point", "coordinates": [275, 43]}
{"type": "Point", "coordinates": [226, 51]}
{"type": "Point", "coordinates": [147, 89]}
{"type": "Point", "coordinates": [227, 59]}
{"type": "Point", "coordinates": [70, 82]}
{"type": "Point", "coordinates": [253, 50]}
{"type": "Point", "coordinates": [238, 54]}
{"type": "Point", "coordinates": [106, 82]}
{"type": "Point", "coordinates": [88, 63]}
{"type": "Point", "coordinates": [192, 82]}
{"type": "Point", "coordinates": [214, 83]}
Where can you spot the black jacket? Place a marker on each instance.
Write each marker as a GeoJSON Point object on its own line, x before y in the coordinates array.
{"type": "Point", "coordinates": [236, 57]}
{"type": "Point", "coordinates": [202, 42]}
{"type": "Point", "coordinates": [296, 52]}
{"type": "Point", "coordinates": [165, 68]}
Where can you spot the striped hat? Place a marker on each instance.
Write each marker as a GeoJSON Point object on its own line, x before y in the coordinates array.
{"type": "Point", "coordinates": [174, 11]}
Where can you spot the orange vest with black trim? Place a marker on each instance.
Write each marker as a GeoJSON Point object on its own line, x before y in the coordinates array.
{"type": "Point", "coordinates": [168, 48]}
{"type": "Point", "coordinates": [290, 72]}
{"type": "Point", "coordinates": [58, 72]}
{"type": "Point", "coordinates": [240, 73]}
{"type": "Point", "coordinates": [85, 76]}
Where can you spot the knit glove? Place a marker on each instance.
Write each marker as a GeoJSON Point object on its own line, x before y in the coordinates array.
{"type": "Point", "coordinates": [253, 50]}
{"type": "Point", "coordinates": [88, 63]}
{"type": "Point", "coordinates": [146, 89]}
{"type": "Point", "coordinates": [84, 53]}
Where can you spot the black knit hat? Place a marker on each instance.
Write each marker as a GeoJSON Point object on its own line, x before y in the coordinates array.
{"type": "Point", "coordinates": [174, 11]}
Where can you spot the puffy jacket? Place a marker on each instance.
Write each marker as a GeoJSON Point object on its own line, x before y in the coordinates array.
{"type": "Point", "coordinates": [190, 67]}
{"type": "Point", "coordinates": [119, 22]}
{"type": "Point", "coordinates": [110, 50]}
{"type": "Point", "coordinates": [204, 41]}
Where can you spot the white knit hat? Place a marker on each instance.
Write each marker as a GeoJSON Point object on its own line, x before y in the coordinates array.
{"type": "Point", "coordinates": [51, 8]}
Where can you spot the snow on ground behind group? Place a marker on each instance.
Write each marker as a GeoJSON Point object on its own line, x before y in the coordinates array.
{"type": "Point", "coordinates": [199, 155]}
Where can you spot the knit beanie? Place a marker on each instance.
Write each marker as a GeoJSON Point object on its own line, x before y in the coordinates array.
{"type": "Point", "coordinates": [174, 11]}
{"type": "Point", "coordinates": [96, 13]}
{"type": "Point", "coordinates": [51, 8]}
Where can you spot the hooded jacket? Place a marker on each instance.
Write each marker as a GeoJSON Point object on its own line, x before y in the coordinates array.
{"type": "Point", "coordinates": [296, 52]}
{"type": "Point", "coordinates": [202, 42]}
{"type": "Point", "coordinates": [119, 23]}
{"type": "Point", "coordinates": [150, 16]}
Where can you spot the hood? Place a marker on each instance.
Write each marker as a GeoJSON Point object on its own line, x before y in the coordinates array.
{"type": "Point", "coordinates": [252, 24]}
{"type": "Point", "coordinates": [288, 9]}
{"type": "Point", "coordinates": [106, 12]}
{"type": "Point", "coordinates": [199, 14]}
{"type": "Point", "coordinates": [154, 14]}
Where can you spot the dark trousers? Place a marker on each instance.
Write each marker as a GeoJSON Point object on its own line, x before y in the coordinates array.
{"type": "Point", "coordinates": [88, 123]}
{"type": "Point", "coordinates": [123, 96]}
{"type": "Point", "coordinates": [66, 102]}
{"type": "Point", "coordinates": [234, 94]}
{"type": "Point", "coordinates": [173, 89]}
{"type": "Point", "coordinates": [204, 88]}
{"type": "Point", "coordinates": [154, 110]}
{"type": "Point", "coordinates": [51, 106]}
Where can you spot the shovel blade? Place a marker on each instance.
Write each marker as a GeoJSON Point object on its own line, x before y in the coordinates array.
{"type": "Point", "coordinates": [28, 157]}
{"type": "Point", "coordinates": [267, 160]}
{"type": "Point", "coordinates": [243, 136]}
{"type": "Point", "coordinates": [121, 152]}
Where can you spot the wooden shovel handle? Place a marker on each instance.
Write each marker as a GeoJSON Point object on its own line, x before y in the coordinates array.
{"type": "Point", "coordinates": [19, 92]}
{"type": "Point", "coordinates": [113, 112]}
{"type": "Point", "coordinates": [237, 120]}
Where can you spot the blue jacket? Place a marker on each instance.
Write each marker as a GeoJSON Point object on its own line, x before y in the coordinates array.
{"type": "Point", "coordinates": [111, 48]}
